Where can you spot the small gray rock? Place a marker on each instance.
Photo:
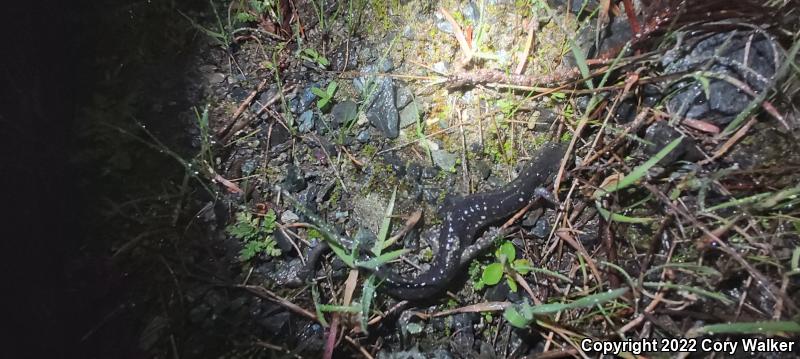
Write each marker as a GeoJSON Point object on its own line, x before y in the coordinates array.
{"type": "Point", "coordinates": [215, 78]}
{"type": "Point", "coordinates": [409, 115]}
{"type": "Point", "coordinates": [363, 136]}
{"type": "Point", "coordinates": [294, 181]}
{"type": "Point", "coordinates": [343, 112]}
{"type": "Point", "coordinates": [403, 96]}
{"type": "Point", "coordinates": [306, 121]}
{"type": "Point", "coordinates": [289, 217]}
{"type": "Point", "coordinates": [381, 111]}
{"type": "Point", "coordinates": [471, 12]}
{"type": "Point", "coordinates": [444, 160]}
{"type": "Point", "coordinates": [443, 24]}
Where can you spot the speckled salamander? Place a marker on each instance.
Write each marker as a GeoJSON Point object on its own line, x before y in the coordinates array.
{"type": "Point", "coordinates": [465, 219]}
{"type": "Point", "coordinates": [462, 223]}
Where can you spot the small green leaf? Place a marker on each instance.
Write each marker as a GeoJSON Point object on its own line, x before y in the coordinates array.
{"type": "Point", "coordinates": [522, 266]}
{"type": "Point", "coordinates": [250, 250]}
{"type": "Point", "coordinates": [321, 103]}
{"type": "Point", "coordinates": [511, 284]}
{"type": "Point", "coordinates": [515, 318]}
{"type": "Point", "coordinates": [519, 315]}
{"type": "Point", "coordinates": [492, 274]}
{"type": "Point", "coordinates": [478, 285]}
{"type": "Point", "coordinates": [321, 94]}
{"type": "Point", "coordinates": [507, 249]}
{"type": "Point", "coordinates": [311, 52]}
{"type": "Point", "coordinates": [331, 90]}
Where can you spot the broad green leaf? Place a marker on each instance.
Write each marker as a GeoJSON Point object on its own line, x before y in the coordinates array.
{"type": "Point", "coordinates": [321, 103]}
{"type": "Point", "coordinates": [331, 90]}
{"type": "Point", "coordinates": [515, 318]}
{"type": "Point", "coordinates": [321, 94]}
{"type": "Point", "coordinates": [492, 274]}
{"type": "Point", "coordinates": [507, 249]}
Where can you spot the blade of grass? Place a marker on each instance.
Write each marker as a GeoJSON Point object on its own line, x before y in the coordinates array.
{"type": "Point", "coordinates": [616, 217]}
{"type": "Point", "coordinates": [690, 267]}
{"type": "Point", "coordinates": [315, 298]}
{"type": "Point", "coordinates": [367, 294]}
{"type": "Point", "coordinates": [382, 259]}
{"type": "Point", "coordinates": [383, 233]}
{"type": "Point", "coordinates": [699, 291]}
{"type": "Point", "coordinates": [747, 328]}
{"type": "Point", "coordinates": [585, 302]}
{"type": "Point", "coordinates": [339, 308]}
{"type": "Point", "coordinates": [640, 171]}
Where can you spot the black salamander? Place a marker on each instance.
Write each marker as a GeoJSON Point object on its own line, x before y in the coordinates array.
{"type": "Point", "coordinates": [465, 219]}
{"type": "Point", "coordinates": [462, 223]}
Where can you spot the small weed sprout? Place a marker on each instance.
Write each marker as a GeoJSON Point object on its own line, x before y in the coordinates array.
{"type": "Point", "coordinates": [312, 55]}
{"type": "Point", "coordinates": [326, 96]}
{"type": "Point", "coordinates": [256, 233]}
{"type": "Point", "coordinates": [507, 265]}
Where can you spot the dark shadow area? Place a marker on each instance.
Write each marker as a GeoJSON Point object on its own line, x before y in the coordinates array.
{"type": "Point", "coordinates": [64, 61]}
